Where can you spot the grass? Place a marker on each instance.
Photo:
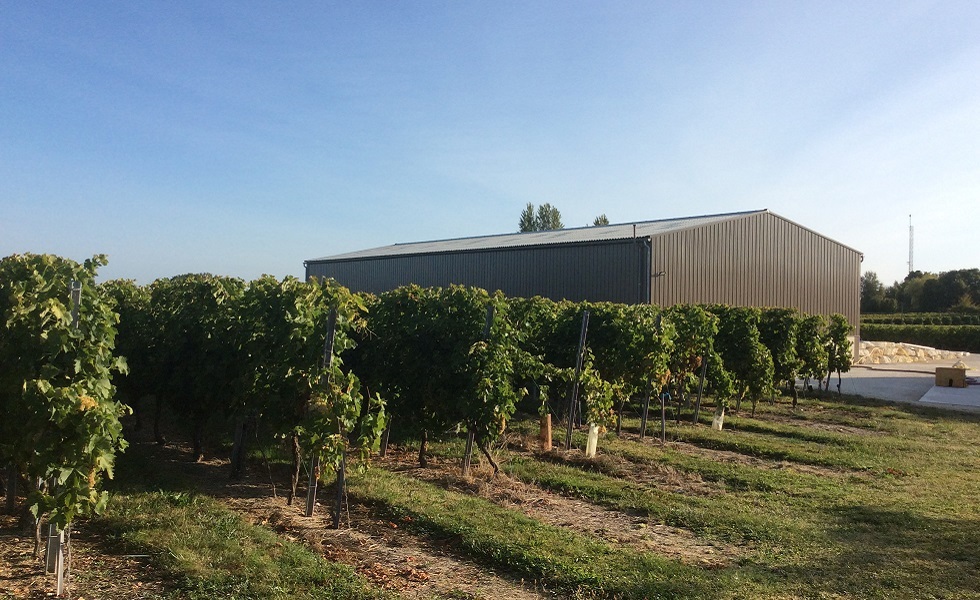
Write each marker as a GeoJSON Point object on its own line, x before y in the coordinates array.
{"type": "Point", "coordinates": [842, 498]}
{"type": "Point", "coordinates": [553, 556]}
{"type": "Point", "coordinates": [211, 552]}
{"type": "Point", "coordinates": [887, 510]}
{"type": "Point", "coordinates": [206, 549]}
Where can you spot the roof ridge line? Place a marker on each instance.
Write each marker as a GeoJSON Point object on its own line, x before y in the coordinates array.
{"type": "Point", "coordinates": [403, 246]}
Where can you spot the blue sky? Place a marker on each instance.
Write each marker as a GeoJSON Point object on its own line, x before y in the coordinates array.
{"type": "Point", "coordinates": [243, 138]}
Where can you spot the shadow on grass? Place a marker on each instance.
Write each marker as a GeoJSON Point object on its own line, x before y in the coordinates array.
{"type": "Point", "coordinates": [918, 410]}
{"type": "Point", "coordinates": [146, 467]}
{"type": "Point", "coordinates": [890, 553]}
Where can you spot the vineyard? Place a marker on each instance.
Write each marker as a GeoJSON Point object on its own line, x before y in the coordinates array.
{"type": "Point", "coordinates": [946, 318]}
{"type": "Point", "coordinates": [948, 331]}
{"type": "Point", "coordinates": [448, 394]}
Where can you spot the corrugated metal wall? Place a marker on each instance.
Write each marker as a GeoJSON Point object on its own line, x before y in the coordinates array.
{"type": "Point", "coordinates": [612, 271]}
{"type": "Point", "coordinates": [757, 260]}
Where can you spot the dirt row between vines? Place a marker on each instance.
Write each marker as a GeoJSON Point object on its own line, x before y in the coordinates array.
{"type": "Point", "coordinates": [387, 552]}
{"type": "Point", "coordinates": [594, 521]}
{"type": "Point", "coordinates": [96, 570]}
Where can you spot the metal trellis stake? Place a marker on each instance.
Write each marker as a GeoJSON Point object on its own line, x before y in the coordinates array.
{"type": "Point", "coordinates": [55, 549]}
{"type": "Point", "coordinates": [327, 363]}
{"type": "Point", "coordinates": [697, 405]}
{"type": "Point", "coordinates": [646, 410]}
{"type": "Point", "coordinates": [573, 400]}
{"type": "Point", "coordinates": [338, 506]}
{"type": "Point", "coordinates": [471, 435]}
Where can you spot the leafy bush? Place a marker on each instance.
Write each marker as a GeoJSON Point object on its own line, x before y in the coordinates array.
{"type": "Point", "coordinates": [59, 420]}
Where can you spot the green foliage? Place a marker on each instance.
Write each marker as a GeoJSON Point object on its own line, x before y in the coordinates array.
{"type": "Point", "coordinates": [873, 295]}
{"type": "Point", "coordinates": [720, 380]}
{"type": "Point", "coordinates": [218, 348]}
{"type": "Point", "coordinates": [696, 329]}
{"type": "Point", "coordinates": [197, 350]}
{"type": "Point", "coordinates": [742, 353]}
{"type": "Point", "coordinates": [546, 218]}
{"type": "Point", "coordinates": [132, 303]}
{"type": "Point", "coordinates": [949, 318]}
{"type": "Point", "coordinates": [290, 386]}
{"type": "Point", "coordinates": [342, 422]}
{"type": "Point", "coordinates": [209, 552]}
{"type": "Point", "coordinates": [778, 329]}
{"type": "Point", "coordinates": [957, 290]}
{"type": "Point", "coordinates": [284, 331]}
{"type": "Point", "coordinates": [59, 420]}
{"type": "Point", "coordinates": [429, 354]}
{"type": "Point", "coordinates": [810, 348]}
{"type": "Point", "coordinates": [632, 344]}
{"type": "Point", "coordinates": [629, 347]}
{"type": "Point", "coordinates": [838, 345]}
{"type": "Point", "coordinates": [964, 338]}
{"type": "Point", "coordinates": [597, 394]}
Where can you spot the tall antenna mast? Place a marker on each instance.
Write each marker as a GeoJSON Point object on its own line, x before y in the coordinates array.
{"type": "Point", "coordinates": [911, 244]}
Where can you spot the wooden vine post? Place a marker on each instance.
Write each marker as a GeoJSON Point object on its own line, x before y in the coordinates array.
{"type": "Point", "coordinates": [545, 435]}
{"type": "Point", "coordinates": [238, 448]}
{"type": "Point", "coordinates": [580, 358]}
{"type": "Point", "coordinates": [327, 363]}
{"type": "Point", "coordinates": [12, 476]}
{"type": "Point", "coordinates": [384, 439]}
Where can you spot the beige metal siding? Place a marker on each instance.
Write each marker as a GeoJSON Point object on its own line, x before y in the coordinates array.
{"type": "Point", "coordinates": [759, 260]}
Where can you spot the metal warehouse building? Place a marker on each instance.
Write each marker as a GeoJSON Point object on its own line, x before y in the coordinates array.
{"type": "Point", "coordinates": [754, 258]}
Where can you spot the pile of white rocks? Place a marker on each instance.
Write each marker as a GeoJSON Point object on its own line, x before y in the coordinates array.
{"type": "Point", "coordinates": [883, 353]}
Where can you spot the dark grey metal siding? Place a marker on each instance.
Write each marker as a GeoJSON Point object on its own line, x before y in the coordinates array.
{"type": "Point", "coordinates": [758, 260]}
{"type": "Point", "coordinates": [612, 271]}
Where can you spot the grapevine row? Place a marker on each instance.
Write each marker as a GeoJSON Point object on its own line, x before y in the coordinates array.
{"type": "Point", "coordinates": [946, 318]}
{"type": "Point", "coordinates": [426, 363]}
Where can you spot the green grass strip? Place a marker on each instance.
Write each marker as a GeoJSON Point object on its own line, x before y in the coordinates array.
{"type": "Point", "coordinates": [737, 477]}
{"type": "Point", "coordinates": [576, 564]}
{"type": "Point", "coordinates": [211, 552]}
{"type": "Point", "coordinates": [724, 517]}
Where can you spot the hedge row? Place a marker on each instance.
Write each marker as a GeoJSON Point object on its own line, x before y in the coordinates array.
{"type": "Point", "coordinates": [964, 338]}
{"type": "Point", "coordinates": [922, 319]}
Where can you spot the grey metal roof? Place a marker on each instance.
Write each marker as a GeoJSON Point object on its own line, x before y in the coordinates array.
{"type": "Point", "coordinates": [542, 238]}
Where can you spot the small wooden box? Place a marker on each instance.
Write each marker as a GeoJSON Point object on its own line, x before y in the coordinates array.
{"type": "Point", "coordinates": [950, 377]}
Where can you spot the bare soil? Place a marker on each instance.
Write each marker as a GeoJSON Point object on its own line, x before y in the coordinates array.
{"type": "Point", "coordinates": [96, 569]}
{"type": "Point", "coordinates": [383, 551]}
{"type": "Point", "coordinates": [386, 553]}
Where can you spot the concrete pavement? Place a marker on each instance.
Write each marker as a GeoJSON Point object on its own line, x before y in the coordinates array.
{"type": "Point", "coordinates": [912, 383]}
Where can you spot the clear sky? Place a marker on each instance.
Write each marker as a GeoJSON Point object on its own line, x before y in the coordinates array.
{"type": "Point", "coordinates": [241, 138]}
